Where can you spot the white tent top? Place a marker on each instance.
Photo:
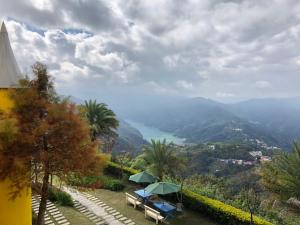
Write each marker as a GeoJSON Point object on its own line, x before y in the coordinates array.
{"type": "Point", "coordinates": [9, 70]}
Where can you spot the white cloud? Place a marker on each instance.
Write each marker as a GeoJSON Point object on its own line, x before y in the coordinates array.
{"type": "Point", "coordinates": [201, 47]}
{"type": "Point", "coordinates": [184, 84]}
{"type": "Point", "coordinates": [67, 72]}
{"type": "Point", "coordinates": [262, 84]}
{"type": "Point", "coordinates": [224, 95]}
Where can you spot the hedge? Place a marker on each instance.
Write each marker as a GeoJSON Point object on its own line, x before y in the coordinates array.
{"type": "Point", "coordinates": [105, 182]}
{"type": "Point", "coordinates": [115, 169]}
{"type": "Point", "coordinates": [217, 210]}
{"type": "Point", "coordinates": [59, 196]}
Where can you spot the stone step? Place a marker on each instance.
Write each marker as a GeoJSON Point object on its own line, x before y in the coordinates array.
{"type": "Point", "coordinates": [62, 221]}
{"type": "Point", "coordinates": [127, 221]}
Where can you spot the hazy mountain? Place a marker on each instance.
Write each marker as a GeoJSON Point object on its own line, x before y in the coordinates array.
{"type": "Point", "coordinates": [274, 121]}
{"type": "Point", "coordinates": [130, 139]}
{"type": "Point", "coordinates": [202, 120]}
{"type": "Point", "coordinates": [281, 117]}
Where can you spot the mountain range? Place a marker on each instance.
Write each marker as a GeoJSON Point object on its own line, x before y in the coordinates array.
{"type": "Point", "coordinates": [275, 122]}
{"type": "Point", "coordinates": [129, 138]}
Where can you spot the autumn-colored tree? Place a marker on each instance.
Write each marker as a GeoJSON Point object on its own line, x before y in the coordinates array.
{"type": "Point", "coordinates": [46, 131]}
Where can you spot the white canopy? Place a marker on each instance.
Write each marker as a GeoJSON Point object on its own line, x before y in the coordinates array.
{"type": "Point", "coordinates": [9, 70]}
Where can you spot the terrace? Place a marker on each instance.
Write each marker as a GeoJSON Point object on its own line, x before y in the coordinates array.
{"type": "Point", "coordinates": [113, 204]}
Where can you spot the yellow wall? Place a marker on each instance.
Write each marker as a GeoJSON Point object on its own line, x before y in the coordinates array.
{"type": "Point", "coordinates": [5, 102]}
{"type": "Point", "coordinates": [18, 211]}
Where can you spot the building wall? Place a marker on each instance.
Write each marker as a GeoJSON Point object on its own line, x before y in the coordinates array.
{"type": "Point", "coordinates": [17, 211]}
{"type": "Point", "coordinates": [5, 102]}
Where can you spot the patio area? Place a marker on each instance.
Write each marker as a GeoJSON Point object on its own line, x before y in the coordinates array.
{"type": "Point", "coordinates": [117, 201]}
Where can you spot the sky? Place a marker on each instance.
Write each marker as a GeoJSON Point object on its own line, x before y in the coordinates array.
{"type": "Point", "coordinates": [115, 50]}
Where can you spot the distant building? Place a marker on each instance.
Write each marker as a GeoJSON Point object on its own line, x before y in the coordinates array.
{"type": "Point", "coordinates": [237, 129]}
{"type": "Point", "coordinates": [256, 154]}
{"type": "Point", "coordinates": [212, 147]}
{"type": "Point", "coordinates": [249, 163]}
{"type": "Point", "coordinates": [265, 158]}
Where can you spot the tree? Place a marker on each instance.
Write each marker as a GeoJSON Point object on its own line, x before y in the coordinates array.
{"type": "Point", "coordinates": [179, 172]}
{"type": "Point", "coordinates": [160, 158]}
{"type": "Point", "coordinates": [281, 176]}
{"type": "Point", "coordinates": [49, 132]}
{"type": "Point", "coordinates": [251, 201]}
{"type": "Point", "coordinates": [102, 121]}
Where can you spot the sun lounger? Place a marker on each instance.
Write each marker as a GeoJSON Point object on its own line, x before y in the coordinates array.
{"type": "Point", "coordinates": [132, 200]}
{"type": "Point", "coordinates": [149, 212]}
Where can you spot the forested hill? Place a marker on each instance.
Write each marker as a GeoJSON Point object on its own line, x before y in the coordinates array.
{"type": "Point", "coordinates": [275, 122]}
{"type": "Point", "coordinates": [129, 139]}
{"type": "Point", "coordinates": [280, 116]}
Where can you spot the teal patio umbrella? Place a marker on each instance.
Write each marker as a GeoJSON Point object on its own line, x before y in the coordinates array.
{"type": "Point", "coordinates": [143, 177]}
{"type": "Point", "coordinates": [162, 188]}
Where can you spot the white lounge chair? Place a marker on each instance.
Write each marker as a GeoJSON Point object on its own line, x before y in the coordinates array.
{"type": "Point", "coordinates": [132, 200]}
{"type": "Point", "coordinates": [153, 214]}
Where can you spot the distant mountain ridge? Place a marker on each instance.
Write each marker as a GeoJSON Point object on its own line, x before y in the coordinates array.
{"type": "Point", "coordinates": [279, 116]}
{"type": "Point", "coordinates": [273, 121]}
{"type": "Point", "coordinates": [130, 139]}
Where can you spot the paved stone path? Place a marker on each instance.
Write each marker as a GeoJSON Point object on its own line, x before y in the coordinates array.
{"type": "Point", "coordinates": [94, 205]}
{"type": "Point", "coordinates": [52, 215]}
{"type": "Point", "coordinates": [91, 216]}
{"type": "Point", "coordinates": [109, 210]}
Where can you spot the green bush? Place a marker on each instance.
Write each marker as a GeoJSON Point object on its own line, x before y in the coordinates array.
{"type": "Point", "coordinates": [34, 218]}
{"type": "Point", "coordinates": [115, 170]}
{"type": "Point", "coordinates": [105, 182]}
{"type": "Point", "coordinates": [59, 196]}
{"type": "Point", "coordinates": [217, 210]}
{"type": "Point", "coordinates": [87, 181]}
{"type": "Point", "coordinates": [112, 184]}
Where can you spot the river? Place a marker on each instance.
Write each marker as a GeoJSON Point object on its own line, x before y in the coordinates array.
{"type": "Point", "coordinates": [154, 133]}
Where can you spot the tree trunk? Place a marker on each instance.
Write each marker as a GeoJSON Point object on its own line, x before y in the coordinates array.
{"type": "Point", "coordinates": [181, 194]}
{"type": "Point", "coordinates": [35, 173]}
{"type": "Point", "coordinates": [44, 196]}
{"type": "Point", "coordinates": [251, 222]}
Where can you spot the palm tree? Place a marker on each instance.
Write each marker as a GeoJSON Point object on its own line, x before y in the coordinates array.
{"type": "Point", "coordinates": [102, 120]}
{"type": "Point", "coordinates": [160, 158]}
{"type": "Point", "coordinates": [281, 176]}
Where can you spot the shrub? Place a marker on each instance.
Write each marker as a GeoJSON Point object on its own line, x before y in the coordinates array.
{"type": "Point", "coordinates": [87, 181]}
{"type": "Point", "coordinates": [61, 197]}
{"type": "Point", "coordinates": [217, 210]}
{"type": "Point", "coordinates": [112, 184]}
{"type": "Point", "coordinates": [115, 170]}
{"type": "Point", "coordinates": [222, 212]}
{"type": "Point", "coordinates": [34, 218]}
{"type": "Point", "coordinates": [105, 182]}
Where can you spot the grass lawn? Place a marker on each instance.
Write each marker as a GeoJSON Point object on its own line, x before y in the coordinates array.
{"type": "Point", "coordinates": [73, 216]}
{"type": "Point", "coordinates": [117, 201]}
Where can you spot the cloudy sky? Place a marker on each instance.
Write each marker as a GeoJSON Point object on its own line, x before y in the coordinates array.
{"type": "Point", "coordinates": [228, 50]}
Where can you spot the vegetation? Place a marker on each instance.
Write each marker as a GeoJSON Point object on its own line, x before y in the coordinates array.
{"type": "Point", "coordinates": [160, 158]}
{"type": "Point", "coordinates": [251, 202]}
{"type": "Point", "coordinates": [281, 176]}
{"type": "Point", "coordinates": [105, 182]}
{"type": "Point", "coordinates": [102, 121]}
{"type": "Point", "coordinates": [202, 120]}
{"type": "Point", "coordinates": [47, 131]}
{"type": "Point", "coordinates": [60, 197]}
{"type": "Point", "coordinates": [218, 210]}
{"type": "Point", "coordinates": [223, 212]}
{"type": "Point", "coordinates": [34, 218]}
